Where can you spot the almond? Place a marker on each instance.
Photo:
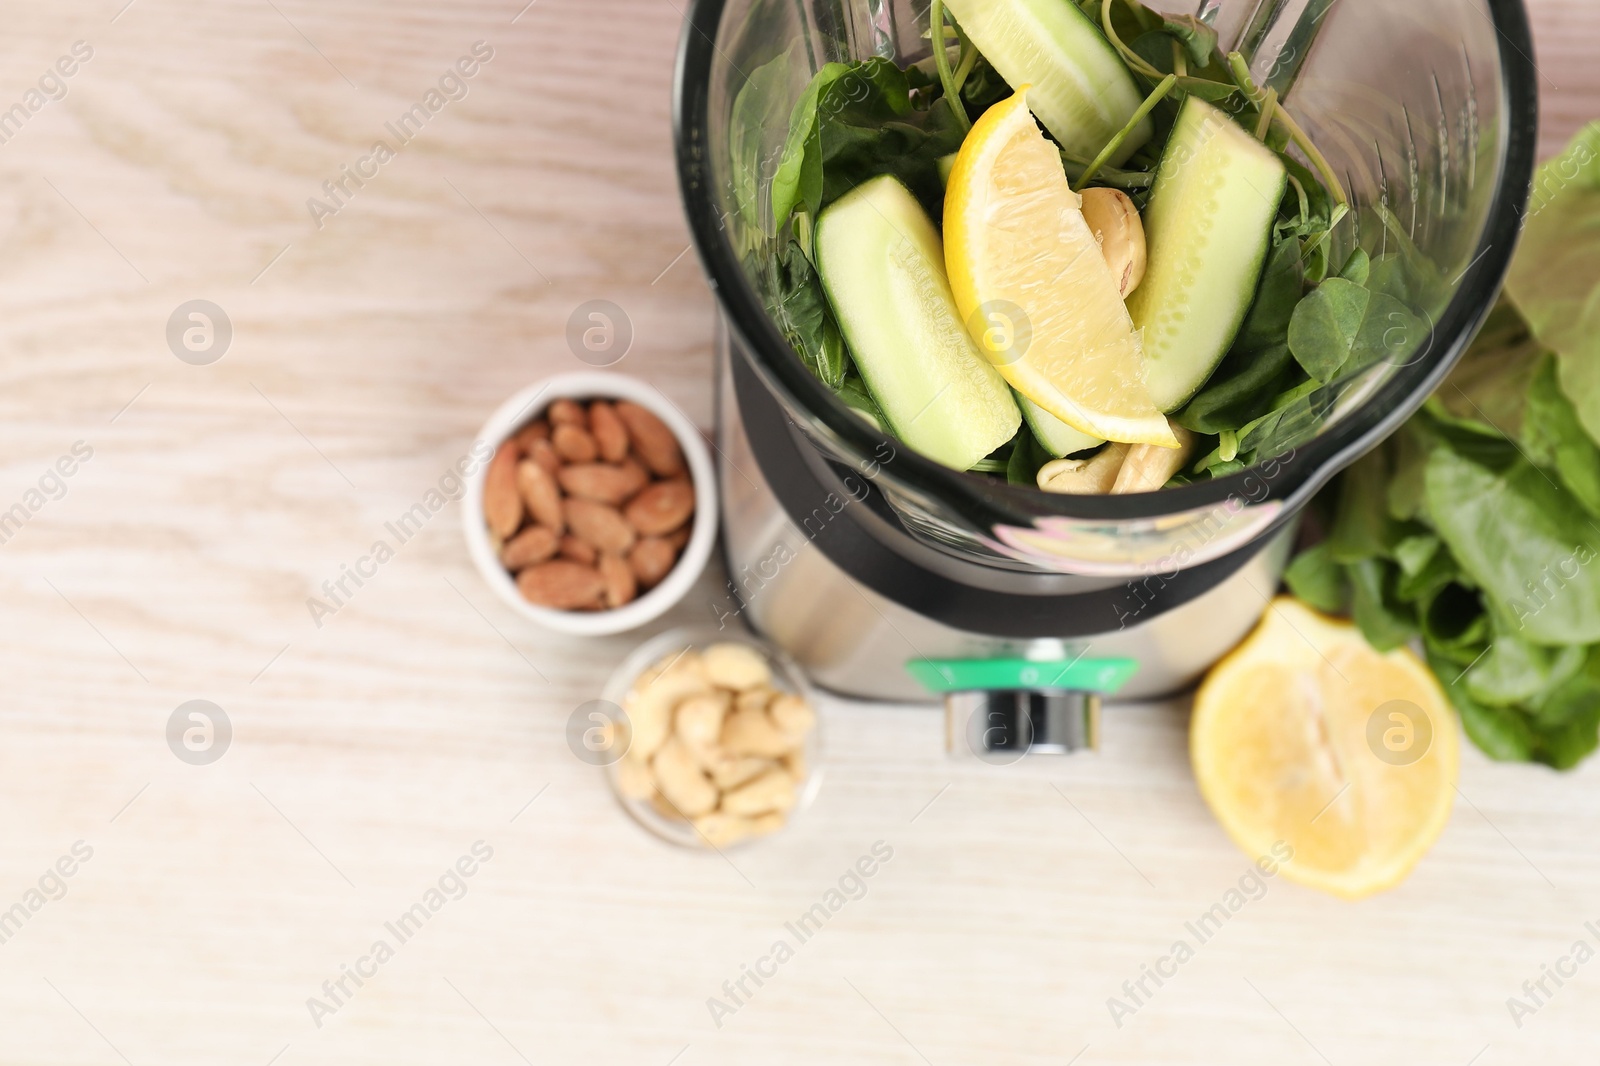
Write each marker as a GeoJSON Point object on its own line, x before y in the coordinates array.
{"type": "Point", "coordinates": [603, 481]}
{"type": "Point", "coordinates": [502, 507]}
{"type": "Point", "coordinates": [539, 492]}
{"type": "Point", "coordinates": [544, 453]}
{"type": "Point", "coordinates": [610, 435]}
{"type": "Point", "coordinates": [651, 560]}
{"type": "Point", "coordinates": [620, 585]}
{"type": "Point", "coordinates": [602, 527]}
{"type": "Point", "coordinates": [652, 441]}
{"type": "Point", "coordinates": [574, 444]}
{"type": "Point", "coordinates": [678, 538]}
{"type": "Point", "coordinates": [538, 429]}
{"type": "Point", "coordinates": [567, 413]}
{"type": "Point", "coordinates": [563, 585]}
{"type": "Point", "coordinates": [662, 507]}
{"type": "Point", "coordinates": [533, 545]}
{"type": "Point", "coordinates": [579, 551]}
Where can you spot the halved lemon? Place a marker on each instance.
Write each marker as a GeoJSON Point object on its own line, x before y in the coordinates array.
{"type": "Point", "coordinates": [1306, 740]}
{"type": "Point", "coordinates": [1033, 287]}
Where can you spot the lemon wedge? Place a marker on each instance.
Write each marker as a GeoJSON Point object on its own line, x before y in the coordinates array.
{"type": "Point", "coordinates": [1034, 289]}
{"type": "Point", "coordinates": [1305, 736]}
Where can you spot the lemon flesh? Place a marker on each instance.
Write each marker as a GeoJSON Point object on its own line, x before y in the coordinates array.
{"type": "Point", "coordinates": [1306, 736]}
{"type": "Point", "coordinates": [1033, 287]}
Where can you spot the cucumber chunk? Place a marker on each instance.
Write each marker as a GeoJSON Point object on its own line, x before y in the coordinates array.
{"type": "Point", "coordinates": [1208, 228]}
{"type": "Point", "coordinates": [1058, 438]}
{"type": "Point", "coordinates": [882, 266]}
{"type": "Point", "coordinates": [1081, 90]}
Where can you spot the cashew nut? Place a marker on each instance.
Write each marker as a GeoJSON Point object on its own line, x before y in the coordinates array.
{"type": "Point", "coordinates": [1149, 466]}
{"type": "Point", "coordinates": [1115, 223]}
{"type": "Point", "coordinates": [732, 771]}
{"type": "Point", "coordinates": [735, 666]}
{"type": "Point", "coordinates": [681, 781]}
{"type": "Point", "coordinates": [1084, 477]}
{"type": "Point", "coordinates": [792, 715]}
{"type": "Point", "coordinates": [772, 791]}
{"type": "Point", "coordinates": [699, 721]}
{"type": "Point", "coordinates": [753, 733]}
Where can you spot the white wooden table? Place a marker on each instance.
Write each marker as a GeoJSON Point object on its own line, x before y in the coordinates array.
{"type": "Point", "coordinates": [370, 754]}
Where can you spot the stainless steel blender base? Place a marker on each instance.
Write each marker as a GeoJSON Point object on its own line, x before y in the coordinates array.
{"type": "Point", "coordinates": [856, 642]}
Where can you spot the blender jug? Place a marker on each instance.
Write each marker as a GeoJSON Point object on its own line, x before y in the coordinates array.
{"type": "Point", "coordinates": [1427, 111]}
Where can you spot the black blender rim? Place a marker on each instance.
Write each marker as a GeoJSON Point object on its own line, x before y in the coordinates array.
{"type": "Point", "coordinates": [1298, 476]}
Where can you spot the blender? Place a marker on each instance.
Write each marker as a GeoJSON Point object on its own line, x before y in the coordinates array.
{"type": "Point", "coordinates": [890, 577]}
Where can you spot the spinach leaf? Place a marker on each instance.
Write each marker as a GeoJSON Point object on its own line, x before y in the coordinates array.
{"type": "Point", "coordinates": [1027, 456]}
{"type": "Point", "coordinates": [758, 111]}
{"type": "Point", "coordinates": [1358, 268]}
{"type": "Point", "coordinates": [1378, 611]}
{"type": "Point", "coordinates": [1342, 326]}
{"type": "Point", "coordinates": [853, 122]}
{"type": "Point", "coordinates": [1501, 733]}
{"type": "Point", "coordinates": [1568, 719]}
{"type": "Point", "coordinates": [1198, 39]}
{"type": "Point", "coordinates": [1408, 450]}
{"type": "Point", "coordinates": [1325, 325]}
{"type": "Point", "coordinates": [1282, 281]}
{"type": "Point", "coordinates": [1490, 384]}
{"type": "Point", "coordinates": [1414, 553]}
{"type": "Point", "coordinates": [1556, 273]}
{"type": "Point", "coordinates": [1438, 571]}
{"type": "Point", "coordinates": [983, 88]}
{"type": "Point", "coordinates": [1514, 671]}
{"type": "Point", "coordinates": [1232, 398]}
{"type": "Point", "coordinates": [1553, 437]}
{"type": "Point", "coordinates": [853, 391]}
{"type": "Point", "coordinates": [1316, 579]}
{"type": "Point", "coordinates": [1525, 542]}
{"type": "Point", "coordinates": [1363, 527]}
{"type": "Point", "coordinates": [800, 309]}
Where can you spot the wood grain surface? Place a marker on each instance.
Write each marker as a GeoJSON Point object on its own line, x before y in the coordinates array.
{"type": "Point", "coordinates": [369, 754]}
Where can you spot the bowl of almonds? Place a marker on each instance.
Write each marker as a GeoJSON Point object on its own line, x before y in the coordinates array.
{"type": "Point", "coordinates": [598, 509]}
{"type": "Point", "coordinates": [721, 738]}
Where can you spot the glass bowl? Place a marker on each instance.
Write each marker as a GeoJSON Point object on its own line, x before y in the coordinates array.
{"type": "Point", "coordinates": [786, 678]}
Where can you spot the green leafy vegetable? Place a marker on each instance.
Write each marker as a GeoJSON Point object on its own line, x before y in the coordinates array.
{"type": "Point", "coordinates": [1526, 542]}
{"type": "Point", "coordinates": [1341, 326]}
{"type": "Point", "coordinates": [1553, 276]}
{"type": "Point", "coordinates": [853, 122]}
{"type": "Point", "coordinates": [1480, 520]}
{"type": "Point", "coordinates": [801, 311]}
{"type": "Point", "coordinates": [1315, 578]}
{"type": "Point", "coordinates": [1554, 438]}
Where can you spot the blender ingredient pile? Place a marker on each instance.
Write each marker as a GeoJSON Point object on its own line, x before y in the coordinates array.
{"type": "Point", "coordinates": [1157, 271]}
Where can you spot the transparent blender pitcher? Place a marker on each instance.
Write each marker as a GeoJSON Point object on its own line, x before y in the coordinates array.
{"type": "Point", "coordinates": [1425, 108]}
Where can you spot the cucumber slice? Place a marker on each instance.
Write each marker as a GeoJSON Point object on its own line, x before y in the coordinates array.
{"type": "Point", "coordinates": [1058, 438]}
{"type": "Point", "coordinates": [1207, 232]}
{"type": "Point", "coordinates": [882, 266]}
{"type": "Point", "coordinates": [1081, 90]}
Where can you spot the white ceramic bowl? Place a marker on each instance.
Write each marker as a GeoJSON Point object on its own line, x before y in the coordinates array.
{"type": "Point", "coordinates": [595, 385]}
